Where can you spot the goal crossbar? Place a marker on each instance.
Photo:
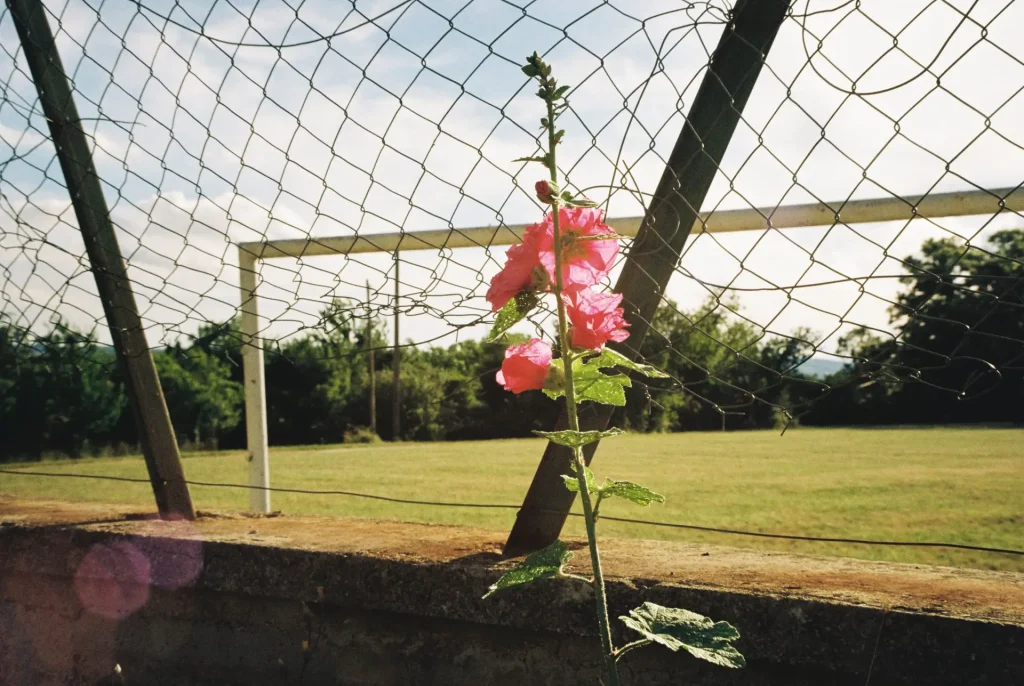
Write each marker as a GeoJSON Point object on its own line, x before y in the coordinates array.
{"type": "Point", "coordinates": [872, 210]}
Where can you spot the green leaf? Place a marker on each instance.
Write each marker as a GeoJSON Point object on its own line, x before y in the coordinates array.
{"type": "Point", "coordinates": [611, 358]}
{"type": "Point", "coordinates": [512, 313]}
{"type": "Point", "coordinates": [696, 634]}
{"type": "Point", "coordinates": [641, 495]}
{"type": "Point", "coordinates": [531, 70]}
{"type": "Point", "coordinates": [582, 202]}
{"type": "Point", "coordinates": [577, 439]}
{"type": "Point", "coordinates": [572, 482]}
{"type": "Point", "coordinates": [559, 92]}
{"type": "Point", "coordinates": [542, 564]}
{"type": "Point", "coordinates": [543, 159]}
{"type": "Point", "coordinates": [592, 384]}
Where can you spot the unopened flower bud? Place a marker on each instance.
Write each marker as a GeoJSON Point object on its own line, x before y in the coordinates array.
{"type": "Point", "coordinates": [547, 192]}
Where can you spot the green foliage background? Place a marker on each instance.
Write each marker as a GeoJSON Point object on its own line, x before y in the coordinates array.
{"type": "Point", "coordinates": [958, 358]}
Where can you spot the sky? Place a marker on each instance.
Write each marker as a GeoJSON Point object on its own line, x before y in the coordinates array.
{"type": "Point", "coordinates": [214, 124]}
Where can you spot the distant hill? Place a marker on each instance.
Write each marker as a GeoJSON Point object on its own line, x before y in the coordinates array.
{"type": "Point", "coordinates": [820, 367]}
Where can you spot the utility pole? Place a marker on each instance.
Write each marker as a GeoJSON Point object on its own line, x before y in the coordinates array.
{"type": "Point", "coordinates": [370, 366]}
{"type": "Point", "coordinates": [396, 364]}
{"type": "Point", "coordinates": [159, 444]}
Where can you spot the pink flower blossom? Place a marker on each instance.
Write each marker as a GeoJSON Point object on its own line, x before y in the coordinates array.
{"type": "Point", "coordinates": [522, 267]}
{"type": "Point", "coordinates": [526, 366]}
{"type": "Point", "coordinates": [596, 318]}
{"type": "Point", "coordinates": [584, 262]}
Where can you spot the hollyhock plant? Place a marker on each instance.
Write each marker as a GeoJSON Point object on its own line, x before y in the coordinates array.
{"type": "Point", "coordinates": [596, 318]}
{"type": "Point", "coordinates": [568, 253]}
{"type": "Point", "coordinates": [526, 366]}
{"type": "Point", "coordinates": [585, 261]}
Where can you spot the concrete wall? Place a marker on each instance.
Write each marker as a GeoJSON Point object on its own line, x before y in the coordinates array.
{"type": "Point", "coordinates": [238, 601]}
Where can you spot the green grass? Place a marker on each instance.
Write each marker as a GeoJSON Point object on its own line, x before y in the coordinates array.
{"type": "Point", "coordinates": [944, 484]}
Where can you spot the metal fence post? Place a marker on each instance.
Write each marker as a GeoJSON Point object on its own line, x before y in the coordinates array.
{"type": "Point", "coordinates": [371, 365]}
{"type": "Point", "coordinates": [654, 256]}
{"type": "Point", "coordinates": [159, 445]}
{"type": "Point", "coordinates": [254, 385]}
{"type": "Point", "coordinates": [396, 364]}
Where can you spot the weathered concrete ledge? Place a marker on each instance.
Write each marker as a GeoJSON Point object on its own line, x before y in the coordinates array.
{"type": "Point", "coordinates": [231, 599]}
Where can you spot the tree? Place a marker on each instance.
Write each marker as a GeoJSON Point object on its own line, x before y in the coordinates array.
{"type": "Point", "coordinates": [59, 392]}
{"type": "Point", "coordinates": [959, 352]}
{"type": "Point", "coordinates": [728, 372]}
{"type": "Point", "coordinates": [203, 400]}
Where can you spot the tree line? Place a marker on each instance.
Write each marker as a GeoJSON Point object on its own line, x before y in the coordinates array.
{"type": "Point", "coordinates": [958, 357]}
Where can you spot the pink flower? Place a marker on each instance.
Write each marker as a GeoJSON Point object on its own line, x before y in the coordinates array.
{"type": "Point", "coordinates": [584, 263]}
{"type": "Point", "coordinates": [526, 366]}
{"type": "Point", "coordinates": [519, 274]}
{"type": "Point", "coordinates": [596, 318]}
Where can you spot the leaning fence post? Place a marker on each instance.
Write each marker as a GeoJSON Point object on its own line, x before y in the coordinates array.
{"type": "Point", "coordinates": [159, 445]}
{"type": "Point", "coordinates": [732, 72]}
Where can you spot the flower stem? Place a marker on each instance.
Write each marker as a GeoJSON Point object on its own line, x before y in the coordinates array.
{"type": "Point", "coordinates": [604, 624]}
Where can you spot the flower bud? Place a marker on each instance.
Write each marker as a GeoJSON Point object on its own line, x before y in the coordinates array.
{"type": "Point", "coordinates": [547, 192]}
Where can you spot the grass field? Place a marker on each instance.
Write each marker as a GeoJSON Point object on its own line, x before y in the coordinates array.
{"type": "Point", "coordinates": [944, 484]}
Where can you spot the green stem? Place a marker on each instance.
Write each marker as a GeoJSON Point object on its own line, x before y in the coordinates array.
{"type": "Point", "coordinates": [604, 624]}
{"type": "Point", "coordinates": [632, 646]}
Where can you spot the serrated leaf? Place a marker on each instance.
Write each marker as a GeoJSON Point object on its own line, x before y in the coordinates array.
{"type": "Point", "coordinates": [512, 313]}
{"type": "Point", "coordinates": [696, 634]}
{"type": "Point", "coordinates": [578, 439]}
{"type": "Point", "coordinates": [572, 482]}
{"type": "Point", "coordinates": [553, 393]}
{"type": "Point", "coordinates": [542, 160]}
{"type": "Point", "coordinates": [635, 493]}
{"type": "Point", "coordinates": [560, 92]}
{"type": "Point", "coordinates": [542, 564]}
{"type": "Point", "coordinates": [610, 358]}
{"type": "Point", "coordinates": [592, 384]}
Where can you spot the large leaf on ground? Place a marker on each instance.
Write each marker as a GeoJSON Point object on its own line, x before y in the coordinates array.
{"type": "Point", "coordinates": [698, 635]}
{"type": "Point", "coordinates": [542, 564]}
{"type": "Point", "coordinates": [641, 495]}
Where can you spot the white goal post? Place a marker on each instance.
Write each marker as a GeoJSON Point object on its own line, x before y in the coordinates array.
{"type": "Point", "coordinates": [935, 206]}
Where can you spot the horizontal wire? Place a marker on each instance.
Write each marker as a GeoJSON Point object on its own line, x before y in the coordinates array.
{"type": "Point", "coordinates": [501, 506]}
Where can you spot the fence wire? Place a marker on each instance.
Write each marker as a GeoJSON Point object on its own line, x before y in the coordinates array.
{"type": "Point", "coordinates": [880, 543]}
{"type": "Point", "coordinates": [216, 124]}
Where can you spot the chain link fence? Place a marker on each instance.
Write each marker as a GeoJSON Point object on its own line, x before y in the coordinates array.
{"type": "Point", "coordinates": [218, 124]}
